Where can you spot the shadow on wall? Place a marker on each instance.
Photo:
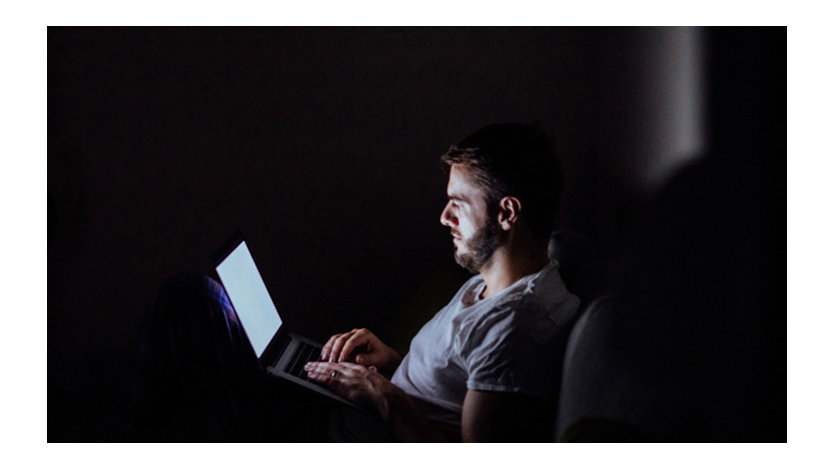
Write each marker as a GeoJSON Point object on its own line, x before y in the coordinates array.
{"type": "Point", "coordinates": [692, 347]}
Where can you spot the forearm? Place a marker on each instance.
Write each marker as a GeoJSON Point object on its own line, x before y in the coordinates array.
{"type": "Point", "coordinates": [406, 419]}
{"type": "Point", "coordinates": [368, 388]}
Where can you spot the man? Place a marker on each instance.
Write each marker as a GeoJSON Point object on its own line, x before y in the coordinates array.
{"type": "Point", "coordinates": [487, 367]}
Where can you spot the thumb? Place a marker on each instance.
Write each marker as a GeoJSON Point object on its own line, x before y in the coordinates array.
{"type": "Point", "coordinates": [360, 359]}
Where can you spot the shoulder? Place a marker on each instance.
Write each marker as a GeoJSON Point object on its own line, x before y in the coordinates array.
{"type": "Point", "coordinates": [546, 295]}
{"type": "Point", "coordinates": [537, 309]}
{"type": "Point", "coordinates": [542, 296]}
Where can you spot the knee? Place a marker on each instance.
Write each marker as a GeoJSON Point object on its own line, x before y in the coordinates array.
{"type": "Point", "coordinates": [190, 295]}
{"type": "Point", "coordinates": [185, 281]}
{"type": "Point", "coordinates": [189, 286]}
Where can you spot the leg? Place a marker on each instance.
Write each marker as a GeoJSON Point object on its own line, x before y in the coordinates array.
{"type": "Point", "coordinates": [198, 378]}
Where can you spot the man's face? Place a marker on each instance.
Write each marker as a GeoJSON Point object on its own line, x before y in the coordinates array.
{"type": "Point", "coordinates": [474, 233]}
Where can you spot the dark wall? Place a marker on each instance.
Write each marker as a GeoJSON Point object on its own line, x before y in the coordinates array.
{"type": "Point", "coordinates": [322, 145]}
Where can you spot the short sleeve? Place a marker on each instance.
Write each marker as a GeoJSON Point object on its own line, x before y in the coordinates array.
{"type": "Point", "coordinates": [513, 349]}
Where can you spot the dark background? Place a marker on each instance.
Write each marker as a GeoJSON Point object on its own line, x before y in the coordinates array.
{"type": "Point", "coordinates": [322, 145]}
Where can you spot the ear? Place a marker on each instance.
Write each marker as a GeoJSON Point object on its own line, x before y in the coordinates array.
{"type": "Point", "coordinates": [509, 210]}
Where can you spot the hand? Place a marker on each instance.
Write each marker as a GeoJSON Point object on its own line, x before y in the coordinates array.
{"type": "Point", "coordinates": [365, 346]}
{"type": "Point", "coordinates": [368, 388]}
{"type": "Point", "coordinates": [362, 385]}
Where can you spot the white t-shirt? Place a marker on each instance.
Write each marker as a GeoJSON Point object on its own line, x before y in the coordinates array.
{"type": "Point", "coordinates": [513, 341]}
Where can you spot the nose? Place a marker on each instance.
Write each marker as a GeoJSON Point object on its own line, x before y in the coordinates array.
{"type": "Point", "coordinates": [447, 217]}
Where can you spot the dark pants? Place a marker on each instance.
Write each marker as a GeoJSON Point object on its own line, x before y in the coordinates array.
{"type": "Point", "coordinates": [198, 378]}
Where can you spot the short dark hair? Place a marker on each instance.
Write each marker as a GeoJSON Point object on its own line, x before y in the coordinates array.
{"type": "Point", "coordinates": [514, 159]}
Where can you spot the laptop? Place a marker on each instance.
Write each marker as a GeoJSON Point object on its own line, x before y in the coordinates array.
{"type": "Point", "coordinates": [280, 352]}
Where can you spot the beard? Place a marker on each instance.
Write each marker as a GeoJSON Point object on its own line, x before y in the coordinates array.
{"type": "Point", "coordinates": [479, 248]}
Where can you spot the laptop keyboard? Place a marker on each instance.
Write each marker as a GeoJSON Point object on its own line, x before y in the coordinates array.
{"type": "Point", "coordinates": [302, 355]}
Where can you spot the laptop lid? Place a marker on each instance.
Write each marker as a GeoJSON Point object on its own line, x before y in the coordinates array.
{"type": "Point", "coordinates": [254, 306]}
{"type": "Point", "coordinates": [246, 289]}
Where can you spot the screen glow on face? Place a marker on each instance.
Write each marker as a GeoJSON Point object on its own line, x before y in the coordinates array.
{"type": "Point", "coordinates": [247, 291]}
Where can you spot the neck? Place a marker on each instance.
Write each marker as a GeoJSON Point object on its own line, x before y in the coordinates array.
{"type": "Point", "coordinates": [511, 262]}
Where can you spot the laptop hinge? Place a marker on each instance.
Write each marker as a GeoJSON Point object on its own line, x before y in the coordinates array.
{"type": "Point", "coordinates": [275, 348]}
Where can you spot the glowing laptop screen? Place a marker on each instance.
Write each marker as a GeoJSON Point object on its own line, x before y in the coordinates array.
{"type": "Point", "coordinates": [247, 291]}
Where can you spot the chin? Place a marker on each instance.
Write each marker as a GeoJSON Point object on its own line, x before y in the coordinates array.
{"type": "Point", "coordinates": [467, 262]}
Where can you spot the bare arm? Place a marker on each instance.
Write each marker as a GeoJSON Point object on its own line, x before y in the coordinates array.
{"type": "Point", "coordinates": [486, 416]}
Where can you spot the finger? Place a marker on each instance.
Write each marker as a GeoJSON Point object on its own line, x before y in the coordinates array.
{"type": "Point", "coordinates": [319, 371]}
{"type": "Point", "coordinates": [327, 368]}
{"type": "Point", "coordinates": [366, 359]}
{"type": "Point", "coordinates": [356, 340]}
{"type": "Point", "coordinates": [331, 346]}
{"type": "Point", "coordinates": [344, 346]}
{"type": "Point", "coordinates": [328, 346]}
{"type": "Point", "coordinates": [334, 376]}
{"type": "Point", "coordinates": [336, 347]}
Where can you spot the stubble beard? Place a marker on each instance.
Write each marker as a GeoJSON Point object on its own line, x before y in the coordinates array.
{"type": "Point", "coordinates": [480, 247]}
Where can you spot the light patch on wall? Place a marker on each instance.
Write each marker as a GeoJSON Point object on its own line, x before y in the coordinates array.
{"type": "Point", "coordinates": [675, 85]}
